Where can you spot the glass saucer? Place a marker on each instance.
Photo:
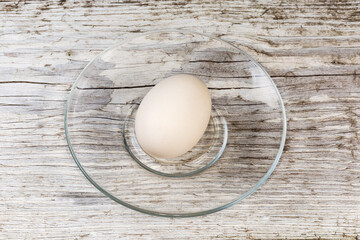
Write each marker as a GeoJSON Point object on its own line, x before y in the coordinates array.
{"type": "Point", "coordinates": [238, 152]}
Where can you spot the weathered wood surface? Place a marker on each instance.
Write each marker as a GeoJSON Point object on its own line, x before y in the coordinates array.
{"type": "Point", "coordinates": [310, 48]}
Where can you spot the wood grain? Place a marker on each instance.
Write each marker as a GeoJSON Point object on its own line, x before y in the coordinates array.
{"type": "Point", "coordinates": [310, 48]}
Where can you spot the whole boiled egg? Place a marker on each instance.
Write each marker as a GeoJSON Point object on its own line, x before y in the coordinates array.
{"type": "Point", "coordinates": [173, 116]}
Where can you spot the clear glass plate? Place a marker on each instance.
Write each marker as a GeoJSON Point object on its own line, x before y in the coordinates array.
{"type": "Point", "coordinates": [236, 155]}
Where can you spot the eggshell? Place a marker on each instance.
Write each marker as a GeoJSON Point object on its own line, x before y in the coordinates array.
{"type": "Point", "coordinates": [173, 116]}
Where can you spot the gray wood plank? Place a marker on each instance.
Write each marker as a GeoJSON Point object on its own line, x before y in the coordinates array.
{"type": "Point", "coordinates": [310, 48]}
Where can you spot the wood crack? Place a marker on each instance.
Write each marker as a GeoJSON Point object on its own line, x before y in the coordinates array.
{"type": "Point", "coordinates": [29, 82]}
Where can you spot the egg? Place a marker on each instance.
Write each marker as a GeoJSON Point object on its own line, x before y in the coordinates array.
{"type": "Point", "coordinates": [173, 116]}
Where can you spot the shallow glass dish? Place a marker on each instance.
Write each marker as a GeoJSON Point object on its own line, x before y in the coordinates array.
{"type": "Point", "coordinates": [238, 152]}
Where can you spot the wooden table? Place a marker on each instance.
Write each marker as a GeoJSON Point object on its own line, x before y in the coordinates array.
{"type": "Point", "coordinates": [310, 48]}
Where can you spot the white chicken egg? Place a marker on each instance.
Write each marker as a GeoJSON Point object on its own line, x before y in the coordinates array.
{"type": "Point", "coordinates": [173, 116]}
